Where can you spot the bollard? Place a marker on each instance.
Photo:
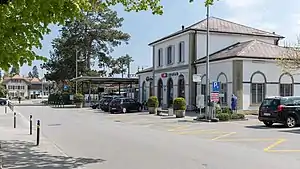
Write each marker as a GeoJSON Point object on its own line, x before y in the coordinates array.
{"type": "Point", "coordinates": [38, 133]}
{"type": "Point", "coordinates": [30, 124]}
{"type": "Point", "coordinates": [15, 120]}
{"type": "Point", "coordinates": [5, 109]}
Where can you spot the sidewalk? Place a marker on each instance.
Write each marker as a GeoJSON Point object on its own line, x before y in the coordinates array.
{"type": "Point", "coordinates": [19, 150]}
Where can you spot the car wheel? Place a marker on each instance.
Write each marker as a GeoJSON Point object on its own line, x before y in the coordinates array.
{"type": "Point", "coordinates": [268, 123]}
{"type": "Point", "coordinates": [290, 122]}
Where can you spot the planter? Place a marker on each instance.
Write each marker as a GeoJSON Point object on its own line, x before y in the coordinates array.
{"type": "Point", "coordinates": [79, 105]}
{"type": "Point", "coordinates": [170, 112]}
{"type": "Point", "coordinates": [152, 110]}
{"type": "Point", "coordinates": [179, 113]}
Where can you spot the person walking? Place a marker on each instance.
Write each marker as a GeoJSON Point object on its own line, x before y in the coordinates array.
{"type": "Point", "coordinates": [233, 103]}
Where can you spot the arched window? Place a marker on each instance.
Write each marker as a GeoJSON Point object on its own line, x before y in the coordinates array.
{"type": "Point", "coordinates": [258, 87]}
{"type": "Point", "coordinates": [286, 85]}
{"type": "Point", "coordinates": [144, 91]}
{"type": "Point", "coordinates": [181, 86]}
{"type": "Point", "coordinates": [222, 78]}
{"type": "Point", "coordinates": [150, 89]}
{"type": "Point", "coordinates": [160, 91]}
{"type": "Point", "coordinates": [170, 92]}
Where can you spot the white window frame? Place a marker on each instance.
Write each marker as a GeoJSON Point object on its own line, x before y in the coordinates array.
{"type": "Point", "coordinates": [255, 96]}
{"type": "Point", "coordinates": [160, 57]}
{"type": "Point", "coordinates": [169, 55]}
{"type": "Point", "coordinates": [284, 86]}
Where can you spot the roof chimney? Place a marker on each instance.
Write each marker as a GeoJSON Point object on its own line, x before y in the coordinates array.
{"type": "Point", "coordinates": [274, 33]}
{"type": "Point", "coordinates": [182, 27]}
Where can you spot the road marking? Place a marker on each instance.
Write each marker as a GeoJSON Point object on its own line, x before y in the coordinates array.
{"type": "Point", "coordinates": [224, 135]}
{"type": "Point", "coordinates": [283, 151]}
{"type": "Point", "coordinates": [210, 131]}
{"type": "Point", "coordinates": [279, 141]}
{"type": "Point", "coordinates": [178, 128]}
{"type": "Point", "coordinates": [246, 140]}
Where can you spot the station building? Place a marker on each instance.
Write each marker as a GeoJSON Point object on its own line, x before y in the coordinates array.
{"type": "Point", "coordinates": [242, 59]}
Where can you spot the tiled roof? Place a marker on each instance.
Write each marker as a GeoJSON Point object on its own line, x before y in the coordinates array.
{"type": "Point", "coordinates": [221, 25]}
{"type": "Point", "coordinates": [218, 25]}
{"type": "Point", "coordinates": [251, 49]}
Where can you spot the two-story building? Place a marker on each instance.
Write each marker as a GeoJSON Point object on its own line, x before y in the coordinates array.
{"type": "Point", "coordinates": [242, 59]}
{"type": "Point", "coordinates": [30, 88]}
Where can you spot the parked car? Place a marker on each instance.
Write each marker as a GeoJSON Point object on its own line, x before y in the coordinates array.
{"type": "Point", "coordinates": [284, 110]}
{"type": "Point", "coordinates": [3, 101]}
{"type": "Point", "coordinates": [104, 102]}
{"type": "Point", "coordinates": [124, 105]}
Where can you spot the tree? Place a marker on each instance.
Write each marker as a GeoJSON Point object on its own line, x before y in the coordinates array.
{"type": "Point", "coordinates": [35, 72]}
{"type": "Point", "coordinates": [30, 75]}
{"type": "Point", "coordinates": [24, 22]}
{"type": "Point", "coordinates": [3, 91]}
{"type": "Point", "coordinates": [14, 71]}
{"type": "Point", "coordinates": [289, 60]}
{"type": "Point", "coordinates": [123, 63]}
{"type": "Point", "coordinates": [92, 37]}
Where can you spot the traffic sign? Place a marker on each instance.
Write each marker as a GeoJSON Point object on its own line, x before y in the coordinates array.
{"type": "Point", "coordinates": [216, 86]}
{"type": "Point", "coordinates": [214, 97]}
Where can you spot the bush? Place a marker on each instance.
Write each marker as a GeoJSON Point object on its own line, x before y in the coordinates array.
{"type": "Point", "coordinates": [223, 116]}
{"type": "Point", "coordinates": [78, 98]}
{"type": "Point", "coordinates": [237, 116]}
{"type": "Point", "coordinates": [152, 101]}
{"type": "Point", "coordinates": [226, 110]}
{"type": "Point", "coordinates": [179, 104]}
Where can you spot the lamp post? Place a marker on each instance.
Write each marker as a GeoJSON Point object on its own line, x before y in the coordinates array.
{"type": "Point", "coordinates": [207, 108]}
{"type": "Point", "coordinates": [76, 69]}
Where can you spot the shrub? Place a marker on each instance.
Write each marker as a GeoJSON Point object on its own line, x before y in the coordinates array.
{"type": "Point", "coordinates": [78, 98]}
{"type": "Point", "coordinates": [152, 101]}
{"type": "Point", "coordinates": [237, 116]}
{"type": "Point", "coordinates": [223, 116]}
{"type": "Point", "coordinates": [226, 110]}
{"type": "Point", "coordinates": [179, 104]}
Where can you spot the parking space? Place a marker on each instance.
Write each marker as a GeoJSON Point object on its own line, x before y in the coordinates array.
{"type": "Point", "coordinates": [250, 133]}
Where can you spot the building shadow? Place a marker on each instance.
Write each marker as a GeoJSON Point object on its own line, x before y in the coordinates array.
{"type": "Point", "coordinates": [24, 155]}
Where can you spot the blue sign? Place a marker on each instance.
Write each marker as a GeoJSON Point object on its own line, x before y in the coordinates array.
{"type": "Point", "coordinates": [66, 87]}
{"type": "Point", "coordinates": [216, 86]}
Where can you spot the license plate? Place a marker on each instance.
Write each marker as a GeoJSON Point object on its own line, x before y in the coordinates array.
{"type": "Point", "coordinates": [267, 114]}
{"type": "Point", "coordinates": [113, 108]}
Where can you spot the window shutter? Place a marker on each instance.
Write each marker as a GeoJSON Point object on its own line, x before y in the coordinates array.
{"type": "Point", "coordinates": [183, 51]}
{"type": "Point", "coordinates": [173, 54]}
{"type": "Point", "coordinates": [166, 55]}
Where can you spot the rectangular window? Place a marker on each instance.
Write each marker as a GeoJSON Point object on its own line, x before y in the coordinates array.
{"type": "Point", "coordinates": [181, 52]}
{"type": "Point", "coordinates": [286, 90]}
{"type": "Point", "coordinates": [257, 93]}
{"type": "Point", "coordinates": [169, 55]}
{"type": "Point", "coordinates": [160, 57]}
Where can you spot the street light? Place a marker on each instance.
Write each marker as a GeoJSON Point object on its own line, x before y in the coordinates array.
{"type": "Point", "coordinates": [76, 69]}
{"type": "Point", "coordinates": [207, 108]}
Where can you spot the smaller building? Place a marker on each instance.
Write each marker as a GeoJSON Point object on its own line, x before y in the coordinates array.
{"type": "Point", "coordinates": [28, 88]}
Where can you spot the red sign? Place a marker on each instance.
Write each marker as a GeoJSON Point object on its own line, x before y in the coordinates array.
{"type": "Point", "coordinates": [164, 75]}
{"type": "Point", "coordinates": [214, 97]}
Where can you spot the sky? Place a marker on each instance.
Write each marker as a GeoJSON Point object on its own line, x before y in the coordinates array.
{"type": "Point", "coordinates": [278, 16]}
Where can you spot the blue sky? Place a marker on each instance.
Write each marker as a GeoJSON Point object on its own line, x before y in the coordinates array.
{"type": "Point", "coordinates": [270, 15]}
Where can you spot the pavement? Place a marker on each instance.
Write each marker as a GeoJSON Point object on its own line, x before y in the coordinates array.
{"type": "Point", "coordinates": [93, 139]}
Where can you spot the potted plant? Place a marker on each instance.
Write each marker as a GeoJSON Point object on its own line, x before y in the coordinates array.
{"type": "Point", "coordinates": [152, 104]}
{"type": "Point", "coordinates": [78, 100]}
{"type": "Point", "coordinates": [179, 106]}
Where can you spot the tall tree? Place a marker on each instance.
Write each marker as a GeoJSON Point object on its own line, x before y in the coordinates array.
{"type": "Point", "coordinates": [14, 71]}
{"type": "Point", "coordinates": [123, 63]}
{"type": "Point", "coordinates": [3, 91]}
{"type": "Point", "coordinates": [35, 72]}
{"type": "Point", "coordinates": [24, 22]}
{"type": "Point", "coordinates": [30, 75]}
{"type": "Point", "coordinates": [92, 37]}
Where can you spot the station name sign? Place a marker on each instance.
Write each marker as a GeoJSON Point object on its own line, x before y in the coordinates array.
{"type": "Point", "coordinates": [164, 75]}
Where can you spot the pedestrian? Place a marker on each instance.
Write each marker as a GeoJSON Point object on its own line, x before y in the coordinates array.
{"type": "Point", "coordinates": [233, 103]}
{"type": "Point", "coordinates": [19, 100]}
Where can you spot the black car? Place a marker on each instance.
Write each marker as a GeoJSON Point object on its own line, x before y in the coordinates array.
{"type": "Point", "coordinates": [104, 102]}
{"type": "Point", "coordinates": [124, 105]}
{"type": "Point", "coordinates": [285, 110]}
{"type": "Point", "coordinates": [3, 101]}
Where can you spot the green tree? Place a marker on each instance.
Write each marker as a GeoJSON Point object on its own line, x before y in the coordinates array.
{"type": "Point", "coordinates": [24, 22]}
{"type": "Point", "coordinates": [14, 71]}
{"type": "Point", "coordinates": [30, 75]}
{"type": "Point", "coordinates": [123, 63]}
{"type": "Point", "coordinates": [92, 37]}
{"type": "Point", "coordinates": [3, 91]}
{"type": "Point", "coordinates": [35, 72]}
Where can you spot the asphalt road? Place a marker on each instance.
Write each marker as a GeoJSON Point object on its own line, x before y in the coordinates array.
{"type": "Point", "coordinates": [138, 141]}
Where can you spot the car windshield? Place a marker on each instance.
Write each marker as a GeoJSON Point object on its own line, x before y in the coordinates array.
{"type": "Point", "coordinates": [272, 103]}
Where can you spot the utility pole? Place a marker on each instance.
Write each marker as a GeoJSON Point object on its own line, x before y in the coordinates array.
{"type": "Point", "coordinates": [207, 108]}
{"type": "Point", "coordinates": [76, 71]}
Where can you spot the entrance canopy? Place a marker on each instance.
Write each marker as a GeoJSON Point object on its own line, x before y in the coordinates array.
{"type": "Point", "coordinates": [106, 80]}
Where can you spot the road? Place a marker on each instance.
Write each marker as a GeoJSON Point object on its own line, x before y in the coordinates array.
{"type": "Point", "coordinates": [109, 142]}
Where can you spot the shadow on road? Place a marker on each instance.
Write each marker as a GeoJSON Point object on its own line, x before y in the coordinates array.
{"type": "Point", "coordinates": [265, 127]}
{"type": "Point", "coordinates": [294, 131]}
{"type": "Point", "coordinates": [22, 155]}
